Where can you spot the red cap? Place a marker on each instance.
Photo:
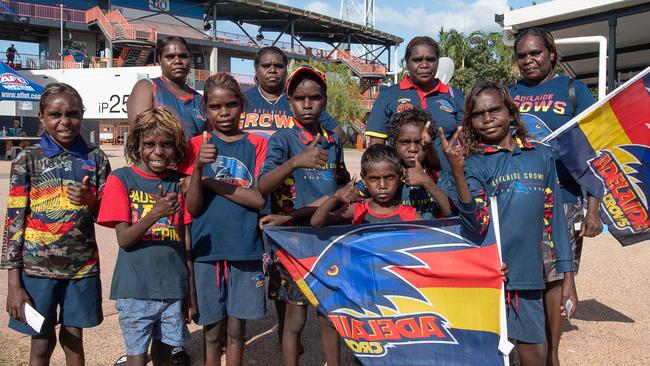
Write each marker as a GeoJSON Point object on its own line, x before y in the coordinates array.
{"type": "Point", "coordinates": [306, 69]}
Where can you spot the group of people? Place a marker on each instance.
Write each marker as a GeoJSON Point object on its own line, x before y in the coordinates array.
{"type": "Point", "coordinates": [206, 173]}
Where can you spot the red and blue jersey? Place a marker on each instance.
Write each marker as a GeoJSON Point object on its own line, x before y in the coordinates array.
{"type": "Point", "coordinates": [443, 102]}
{"type": "Point", "coordinates": [304, 185]}
{"type": "Point", "coordinates": [264, 117]}
{"type": "Point", "coordinates": [363, 214]}
{"type": "Point", "coordinates": [45, 234]}
{"type": "Point", "coordinates": [155, 268]}
{"type": "Point", "coordinates": [189, 111]}
{"type": "Point", "coordinates": [546, 107]}
{"type": "Point", "coordinates": [416, 197]}
{"type": "Point", "coordinates": [225, 230]}
{"type": "Point", "coordinates": [525, 184]}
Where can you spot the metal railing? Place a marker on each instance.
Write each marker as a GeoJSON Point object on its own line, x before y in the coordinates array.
{"type": "Point", "coordinates": [41, 11]}
{"type": "Point", "coordinates": [114, 26]}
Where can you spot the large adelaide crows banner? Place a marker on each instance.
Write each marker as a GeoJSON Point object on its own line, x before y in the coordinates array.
{"type": "Point", "coordinates": [607, 149]}
{"type": "Point", "coordinates": [417, 293]}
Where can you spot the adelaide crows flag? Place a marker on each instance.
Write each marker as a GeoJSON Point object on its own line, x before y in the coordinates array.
{"type": "Point", "coordinates": [607, 149]}
{"type": "Point", "coordinates": [408, 293]}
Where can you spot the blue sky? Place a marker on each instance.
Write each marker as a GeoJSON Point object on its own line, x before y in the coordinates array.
{"type": "Point", "coordinates": [415, 17]}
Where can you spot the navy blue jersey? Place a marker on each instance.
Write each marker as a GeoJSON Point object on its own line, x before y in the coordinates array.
{"type": "Point", "coordinates": [443, 102]}
{"type": "Point", "coordinates": [225, 230]}
{"type": "Point", "coordinates": [155, 267]}
{"type": "Point", "coordinates": [545, 108]}
{"type": "Point", "coordinates": [189, 111]}
{"type": "Point", "coordinates": [525, 184]}
{"type": "Point", "coordinates": [304, 186]}
{"type": "Point", "coordinates": [264, 118]}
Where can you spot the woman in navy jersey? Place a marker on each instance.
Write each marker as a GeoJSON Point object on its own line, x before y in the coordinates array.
{"type": "Point", "coordinates": [267, 108]}
{"type": "Point", "coordinates": [170, 90]}
{"type": "Point", "coordinates": [547, 101]}
{"type": "Point", "coordinates": [420, 88]}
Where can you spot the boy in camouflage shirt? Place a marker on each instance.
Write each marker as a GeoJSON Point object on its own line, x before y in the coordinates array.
{"type": "Point", "coordinates": [49, 242]}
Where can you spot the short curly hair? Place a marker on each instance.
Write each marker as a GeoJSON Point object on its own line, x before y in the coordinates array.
{"type": "Point", "coordinates": [377, 153]}
{"type": "Point", "coordinates": [154, 121]}
{"type": "Point", "coordinates": [414, 116]}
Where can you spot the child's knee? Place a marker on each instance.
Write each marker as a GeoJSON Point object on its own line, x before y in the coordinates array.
{"type": "Point", "coordinates": [43, 346]}
{"type": "Point", "coordinates": [212, 332]}
{"type": "Point", "coordinates": [236, 330]}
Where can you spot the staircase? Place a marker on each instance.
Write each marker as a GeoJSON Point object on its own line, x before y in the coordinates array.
{"type": "Point", "coordinates": [134, 42]}
{"type": "Point", "coordinates": [360, 68]}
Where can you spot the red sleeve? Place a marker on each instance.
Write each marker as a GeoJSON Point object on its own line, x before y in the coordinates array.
{"type": "Point", "coordinates": [360, 211]}
{"type": "Point", "coordinates": [261, 145]}
{"type": "Point", "coordinates": [187, 165]}
{"type": "Point", "coordinates": [116, 209]}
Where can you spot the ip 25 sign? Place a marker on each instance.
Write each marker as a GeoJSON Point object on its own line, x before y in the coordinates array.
{"type": "Point", "coordinates": [116, 104]}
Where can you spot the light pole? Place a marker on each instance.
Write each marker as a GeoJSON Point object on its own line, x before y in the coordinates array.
{"type": "Point", "coordinates": [61, 26]}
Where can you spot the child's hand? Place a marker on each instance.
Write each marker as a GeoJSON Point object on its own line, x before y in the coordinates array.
{"type": "Point", "coordinates": [274, 220]}
{"type": "Point", "coordinates": [190, 308]}
{"type": "Point", "coordinates": [569, 292]}
{"type": "Point", "coordinates": [504, 271]}
{"type": "Point", "coordinates": [166, 204]}
{"type": "Point", "coordinates": [82, 196]}
{"type": "Point", "coordinates": [16, 298]}
{"type": "Point", "coordinates": [312, 157]}
{"type": "Point", "coordinates": [427, 139]}
{"type": "Point", "coordinates": [208, 152]}
{"type": "Point", "coordinates": [348, 193]}
{"type": "Point", "coordinates": [454, 152]}
{"type": "Point", "coordinates": [416, 176]}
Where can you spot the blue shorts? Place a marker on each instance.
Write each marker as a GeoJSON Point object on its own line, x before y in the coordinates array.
{"type": "Point", "coordinates": [525, 313]}
{"type": "Point", "coordinates": [144, 320]}
{"type": "Point", "coordinates": [79, 302]}
{"type": "Point", "coordinates": [236, 290]}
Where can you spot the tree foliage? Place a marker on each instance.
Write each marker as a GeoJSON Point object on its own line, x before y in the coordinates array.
{"type": "Point", "coordinates": [344, 99]}
{"type": "Point", "coordinates": [477, 56]}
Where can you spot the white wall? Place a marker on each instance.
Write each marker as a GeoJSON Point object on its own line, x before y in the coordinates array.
{"type": "Point", "coordinates": [104, 91]}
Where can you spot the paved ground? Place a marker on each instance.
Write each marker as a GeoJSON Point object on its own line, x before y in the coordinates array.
{"type": "Point", "coordinates": [611, 326]}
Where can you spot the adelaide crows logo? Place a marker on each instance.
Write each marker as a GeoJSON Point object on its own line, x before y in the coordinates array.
{"type": "Point", "coordinates": [229, 170]}
{"type": "Point", "coordinates": [371, 321]}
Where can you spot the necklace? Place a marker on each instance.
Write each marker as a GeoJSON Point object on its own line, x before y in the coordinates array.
{"type": "Point", "coordinates": [267, 99]}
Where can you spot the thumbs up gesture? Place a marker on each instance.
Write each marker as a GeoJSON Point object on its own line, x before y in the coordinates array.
{"type": "Point", "coordinates": [82, 196]}
{"type": "Point", "coordinates": [207, 153]}
{"type": "Point", "coordinates": [416, 176]}
{"type": "Point", "coordinates": [167, 204]}
{"type": "Point", "coordinates": [312, 157]}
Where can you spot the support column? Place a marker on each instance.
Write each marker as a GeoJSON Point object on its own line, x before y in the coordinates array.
{"type": "Point", "coordinates": [293, 34]}
{"type": "Point", "coordinates": [108, 53]}
{"type": "Point", "coordinates": [214, 21]}
{"type": "Point", "coordinates": [214, 60]}
{"type": "Point", "coordinates": [611, 54]}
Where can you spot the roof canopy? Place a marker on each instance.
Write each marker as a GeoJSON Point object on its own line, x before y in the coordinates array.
{"type": "Point", "coordinates": [307, 25]}
{"type": "Point", "coordinates": [626, 22]}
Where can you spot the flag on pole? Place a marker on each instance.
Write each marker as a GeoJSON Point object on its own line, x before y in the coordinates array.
{"type": "Point", "coordinates": [607, 150]}
{"type": "Point", "coordinates": [417, 293]}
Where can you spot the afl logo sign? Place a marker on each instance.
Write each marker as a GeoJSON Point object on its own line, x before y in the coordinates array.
{"type": "Point", "coordinates": [9, 78]}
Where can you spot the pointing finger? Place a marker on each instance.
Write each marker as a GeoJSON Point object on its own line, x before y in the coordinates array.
{"type": "Point", "coordinates": [316, 140]}
{"type": "Point", "coordinates": [455, 138]}
{"type": "Point", "coordinates": [443, 139]}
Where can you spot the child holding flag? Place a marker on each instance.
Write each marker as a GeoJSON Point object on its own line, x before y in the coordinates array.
{"type": "Point", "coordinates": [523, 178]}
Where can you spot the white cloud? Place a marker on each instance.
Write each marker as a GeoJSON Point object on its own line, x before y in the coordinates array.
{"type": "Point", "coordinates": [419, 20]}
{"type": "Point", "coordinates": [323, 8]}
